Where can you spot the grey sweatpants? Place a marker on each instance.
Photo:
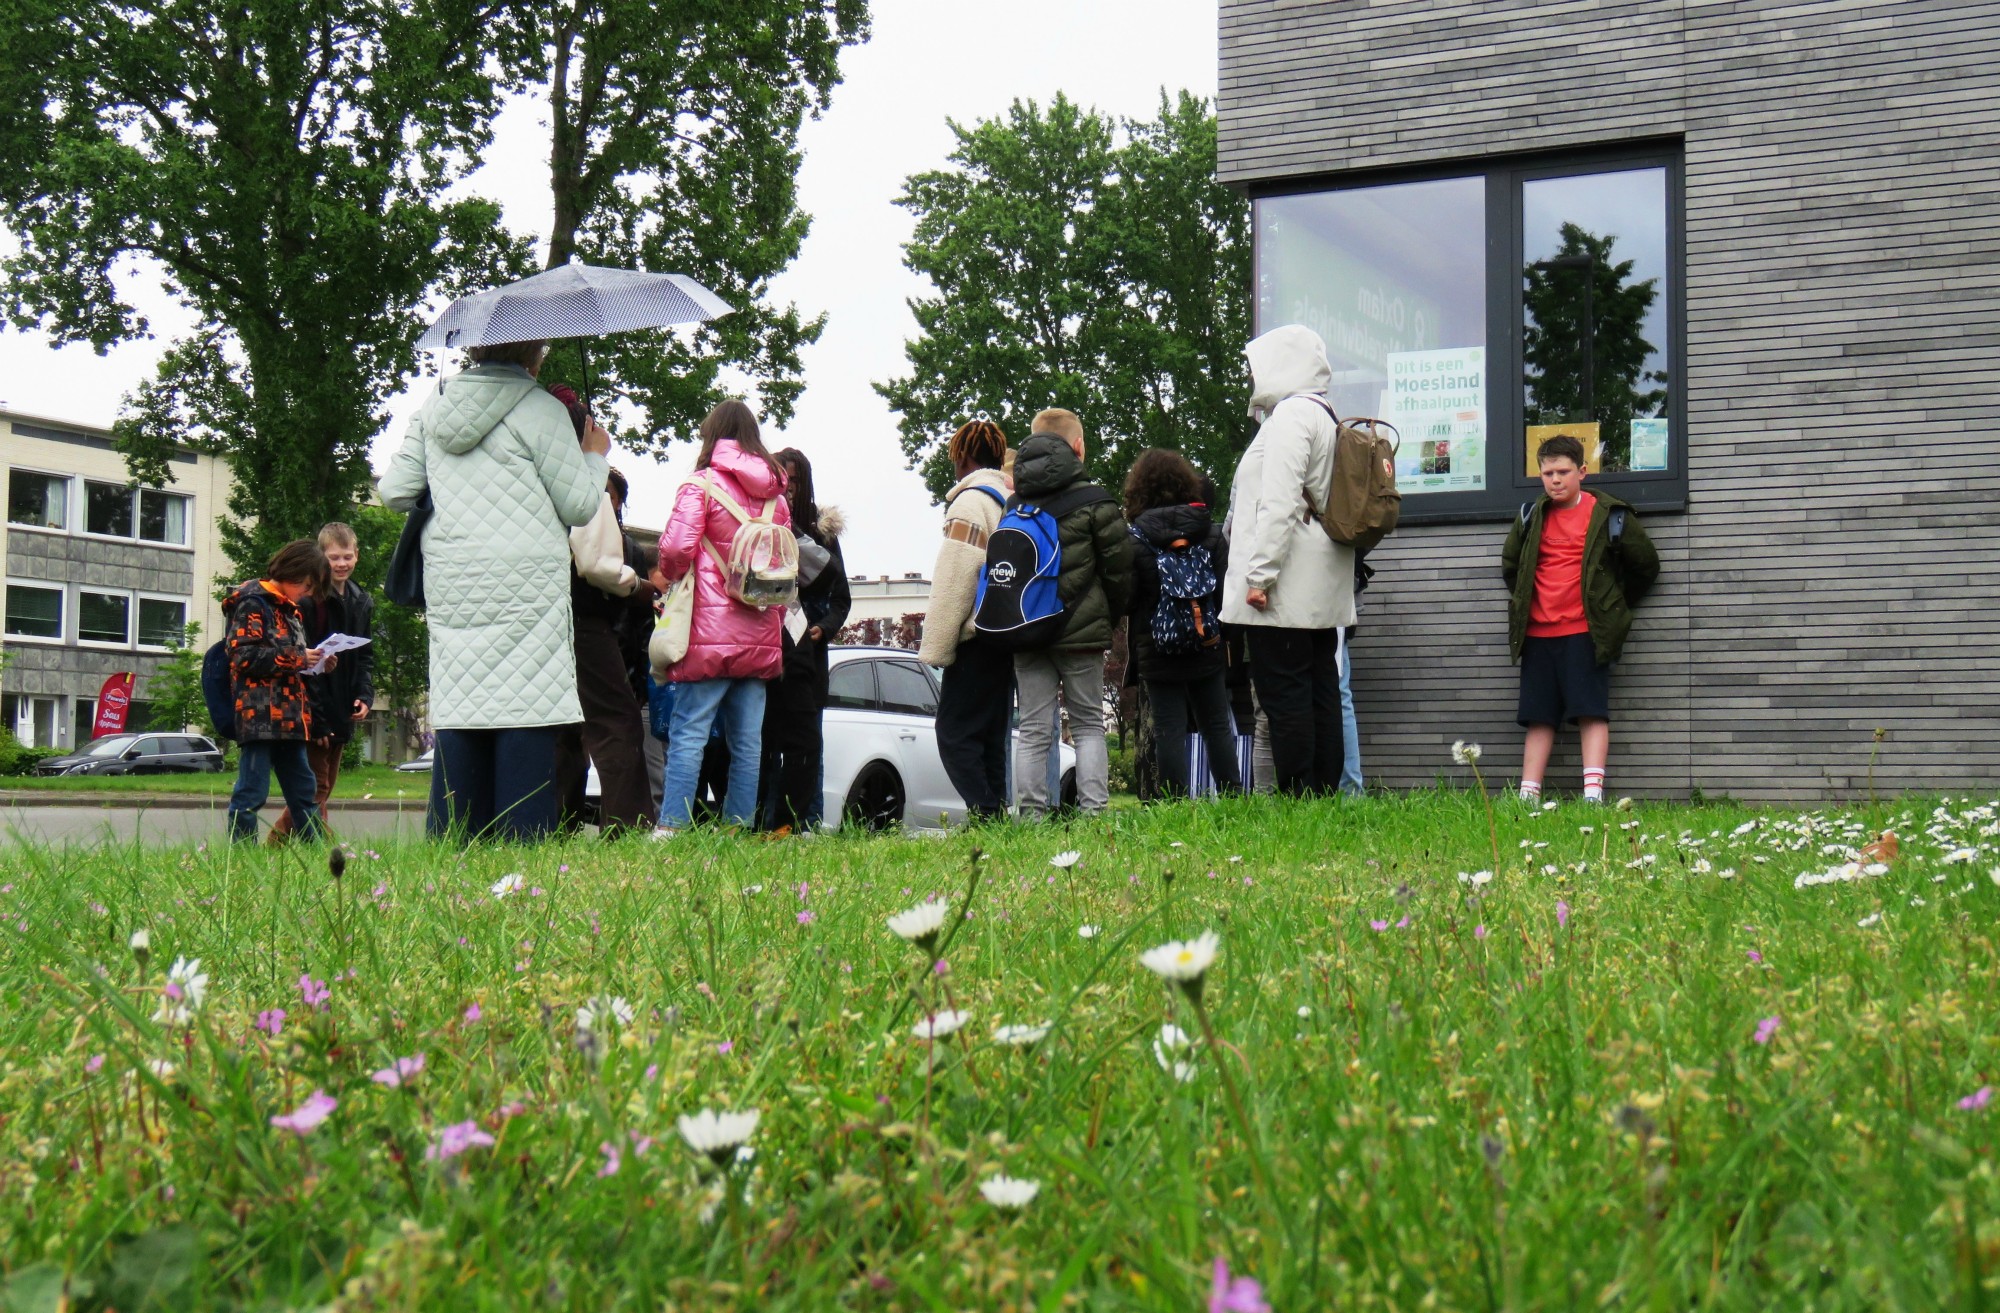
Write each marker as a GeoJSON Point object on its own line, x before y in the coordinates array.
{"type": "Point", "coordinates": [1079, 677]}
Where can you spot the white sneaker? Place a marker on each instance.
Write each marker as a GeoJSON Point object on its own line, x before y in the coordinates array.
{"type": "Point", "coordinates": [662, 833]}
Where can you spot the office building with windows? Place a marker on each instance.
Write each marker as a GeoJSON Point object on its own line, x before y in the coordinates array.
{"type": "Point", "coordinates": [100, 576]}
{"type": "Point", "coordinates": [1749, 252]}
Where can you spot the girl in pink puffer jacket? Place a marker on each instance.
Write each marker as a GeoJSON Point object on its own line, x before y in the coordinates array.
{"type": "Point", "coordinates": [732, 647]}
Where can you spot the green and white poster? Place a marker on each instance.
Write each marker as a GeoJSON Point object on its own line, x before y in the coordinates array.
{"type": "Point", "coordinates": [1437, 401]}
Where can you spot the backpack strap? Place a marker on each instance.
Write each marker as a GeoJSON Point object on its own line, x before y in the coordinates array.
{"type": "Point", "coordinates": [1069, 499]}
{"type": "Point", "coordinates": [990, 491]}
{"type": "Point", "coordinates": [1527, 512]}
{"type": "Point", "coordinates": [1617, 526]}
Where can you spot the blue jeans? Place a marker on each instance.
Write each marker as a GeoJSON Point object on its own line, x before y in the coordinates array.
{"type": "Point", "coordinates": [494, 783]}
{"type": "Point", "coordinates": [296, 781]}
{"type": "Point", "coordinates": [697, 704]}
{"type": "Point", "coordinates": [1350, 764]}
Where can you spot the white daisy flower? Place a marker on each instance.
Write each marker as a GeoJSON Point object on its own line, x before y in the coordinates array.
{"type": "Point", "coordinates": [1087, 931]}
{"type": "Point", "coordinates": [1465, 754]}
{"type": "Point", "coordinates": [512, 883]}
{"type": "Point", "coordinates": [1183, 963]}
{"type": "Point", "coordinates": [1960, 855]}
{"type": "Point", "coordinates": [1475, 878]}
{"type": "Point", "coordinates": [1171, 1042]}
{"type": "Point", "coordinates": [1066, 860]}
{"type": "Point", "coordinates": [939, 1024]}
{"type": "Point", "coordinates": [718, 1135]}
{"type": "Point", "coordinates": [1873, 918]}
{"type": "Point", "coordinates": [602, 1012]}
{"type": "Point", "coordinates": [1008, 1192]}
{"type": "Point", "coordinates": [1019, 1036]}
{"type": "Point", "coordinates": [1744, 829]}
{"type": "Point", "coordinates": [920, 924]}
{"type": "Point", "coordinates": [141, 943]}
{"type": "Point", "coordinates": [185, 991]}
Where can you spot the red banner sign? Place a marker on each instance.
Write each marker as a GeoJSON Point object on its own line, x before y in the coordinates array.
{"type": "Point", "coordinates": [114, 703]}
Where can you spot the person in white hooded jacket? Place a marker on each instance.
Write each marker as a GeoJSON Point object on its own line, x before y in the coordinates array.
{"type": "Point", "coordinates": [1289, 585]}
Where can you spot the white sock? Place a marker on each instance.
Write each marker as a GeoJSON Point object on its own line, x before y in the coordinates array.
{"type": "Point", "coordinates": [1531, 790]}
{"type": "Point", "coordinates": [1593, 783]}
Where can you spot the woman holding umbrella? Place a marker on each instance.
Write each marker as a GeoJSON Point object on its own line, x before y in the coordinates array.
{"type": "Point", "coordinates": [508, 479]}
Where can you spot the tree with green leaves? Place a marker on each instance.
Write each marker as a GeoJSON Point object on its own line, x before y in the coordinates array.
{"type": "Point", "coordinates": [1583, 342]}
{"type": "Point", "coordinates": [1083, 263]}
{"type": "Point", "coordinates": [675, 147]}
{"type": "Point", "coordinates": [173, 691]}
{"type": "Point", "coordinates": [284, 171]}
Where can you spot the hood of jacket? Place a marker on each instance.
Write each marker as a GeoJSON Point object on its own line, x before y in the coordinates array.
{"type": "Point", "coordinates": [984, 478]}
{"type": "Point", "coordinates": [471, 405]}
{"type": "Point", "coordinates": [250, 590]}
{"type": "Point", "coordinates": [753, 474]}
{"type": "Point", "coordinates": [1046, 465]}
{"type": "Point", "coordinates": [832, 523]}
{"type": "Point", "coordinates": [1286, 361]}
{"type": "Point", "coordinates": [1163, 524]}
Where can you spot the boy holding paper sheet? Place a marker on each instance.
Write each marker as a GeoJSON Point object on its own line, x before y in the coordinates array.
{"type": "Point", "coordinates": [341, 696]}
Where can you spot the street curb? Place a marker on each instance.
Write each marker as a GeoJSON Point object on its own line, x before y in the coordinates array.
{"type": "Point", "coordinates": [17, 798]}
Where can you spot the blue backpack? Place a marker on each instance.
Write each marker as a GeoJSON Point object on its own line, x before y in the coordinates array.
{"type": "Point", "coordinates": [1018, 607]}
{"type": "Point", "coordinates": [1183, 619]}
{"type": "Point", "coordinates": [217, 692]}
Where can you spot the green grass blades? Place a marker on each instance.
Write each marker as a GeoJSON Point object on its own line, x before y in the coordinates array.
{"type": "Point", "coordinates": [1667, 1058]}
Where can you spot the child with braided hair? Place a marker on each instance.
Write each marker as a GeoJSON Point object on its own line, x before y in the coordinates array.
{"type": "Point", "coordinates": [974, 704]}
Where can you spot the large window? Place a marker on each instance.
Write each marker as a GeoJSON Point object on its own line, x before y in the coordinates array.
{"type": "Point", "coordinates": [36, 499]}
{"type": "Point", "coordinates": [103, 618]}
{"type": "Point", "coordinates": [1432, 293]}
{"type": "Point", "coordinates": [117, 511]}
{"type": "Point", "coordinates": [34, 611]}
{"type": "Point", "coordinates": [162, 622]}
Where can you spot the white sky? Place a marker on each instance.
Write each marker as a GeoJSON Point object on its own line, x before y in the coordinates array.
{"type": "Point", "coordinates": [928, 60]}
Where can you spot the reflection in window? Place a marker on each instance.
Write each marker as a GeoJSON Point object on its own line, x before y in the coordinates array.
{"type": "Point", "coordinates": [103, 618]}
{"type": "Point", "coordinates": [34, 612]}
{"type": "Point", "coordinates": [1393, 279]}
{"type": "Point", "coordinates": [906, 688]}
{"type": "Point", "coordinates": [40, 500]}
{"type": "Point", "coordinates": [851, 684]}
{"type": "Point", "coordinates": [162, 623]}
{"type": "Point", "coordinates": [107, 509]}
{"type": "Point", "coordinates": [1594, 341]}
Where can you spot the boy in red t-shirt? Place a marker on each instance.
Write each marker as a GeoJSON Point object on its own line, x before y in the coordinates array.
{"type": "Point", "coordinates": [1577, 563]}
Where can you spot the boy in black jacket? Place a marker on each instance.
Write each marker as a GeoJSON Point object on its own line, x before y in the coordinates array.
{"type": "Point", "coordinates": [341, 697]}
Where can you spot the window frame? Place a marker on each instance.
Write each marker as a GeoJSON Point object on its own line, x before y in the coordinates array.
{"type": "Point", "coordinates": [80, 505]}
{"type": "Point", "coordinates": [131, 617]}
{"type": "Point", "coordinates": [138, 519]}
{"type": "Point", "coordinates": [1508, 485]}
{"type": "Point", "coordinates": [874, 702]}
{"type": "Point", "coordinates": [139, 599]}
{"type": "Point", "coordinates": [68, 481]}
{"type": "Point", "coordinates": [63, 616]}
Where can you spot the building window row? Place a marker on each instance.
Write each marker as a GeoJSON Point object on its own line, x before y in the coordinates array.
{"type": "Point", "coordinates": [39, 500]}
{"type": "Point", "coordinates": [1484, 309]}
{"type": "Point", "coordinates": [93, 617]}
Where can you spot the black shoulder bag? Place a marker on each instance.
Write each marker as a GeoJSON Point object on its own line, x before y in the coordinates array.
{"type": "Point", "coordinates": [404, 579]}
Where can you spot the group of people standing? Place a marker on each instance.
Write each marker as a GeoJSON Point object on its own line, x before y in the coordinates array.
{"type": "Point", "coordinates": [542, 612]}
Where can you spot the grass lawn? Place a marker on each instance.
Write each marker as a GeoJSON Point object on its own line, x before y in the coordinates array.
{"type": "Point", "coordinates": [1635, 1068]}
{"type": "Point", "coordinates": [354, 782]}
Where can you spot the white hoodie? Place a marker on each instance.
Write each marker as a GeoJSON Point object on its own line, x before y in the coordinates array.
{"type": "Point", "coordinates": [1274, 543]}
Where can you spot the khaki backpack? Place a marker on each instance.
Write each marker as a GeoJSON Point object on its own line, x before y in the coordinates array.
{"type": "Point", "coordinates": [1360, 507]}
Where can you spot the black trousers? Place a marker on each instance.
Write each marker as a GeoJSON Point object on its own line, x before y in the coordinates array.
{"type": "Point", "coordinates": [612, 735]}
{"type": "Point", "coordinates": [973, 710]}
{"type": "Point", "coordinates": [1296, 673]}
{"type": "Point", "coordinates": [1204, 702]}
{"type": "Point", "coordinates": [493, 783]}
{"type": "Point", "coordinates": [793, 743]}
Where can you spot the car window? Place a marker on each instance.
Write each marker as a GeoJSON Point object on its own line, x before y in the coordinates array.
{"type": "Point", "coordinates": [184, 745]}
{"type": "Point", "coordinates": [851, 684]}
{"type": "Point", "coordinates": [906, 688]}
{"type": "Point", "coordinates": [111, 747]}
{"type": "Point", "coordinates": [200, 745]}
{"type": "Point", "coordinates": [150, 747]}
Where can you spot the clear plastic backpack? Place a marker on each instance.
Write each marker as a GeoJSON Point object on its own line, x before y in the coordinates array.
{"type": "Point", "coordinates": [762, 568]}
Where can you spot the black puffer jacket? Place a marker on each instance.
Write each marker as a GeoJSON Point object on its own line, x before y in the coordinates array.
{"type": "Point", "coordinates": [1096, 581]}
{"type": "Point", "coordinates": [1161, 528]}
{"type": "Point", "coordinates": [350, 611]}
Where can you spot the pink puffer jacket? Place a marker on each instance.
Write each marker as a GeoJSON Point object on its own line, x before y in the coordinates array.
{"type": "Point", "coordinates": [729, 640]}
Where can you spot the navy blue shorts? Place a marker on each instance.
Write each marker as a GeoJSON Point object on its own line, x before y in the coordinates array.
{"type": "Point", "coordinates": [1561, 682]}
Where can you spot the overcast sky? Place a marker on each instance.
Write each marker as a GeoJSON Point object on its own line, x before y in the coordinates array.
{"type": "Point", "coordinates": [928, 60]}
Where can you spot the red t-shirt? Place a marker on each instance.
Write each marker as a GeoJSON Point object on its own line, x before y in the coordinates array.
{"type": "Point", "coordinates": [1557, 610]}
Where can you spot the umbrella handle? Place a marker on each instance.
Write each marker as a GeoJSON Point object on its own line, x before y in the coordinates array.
{"type": "Point", "coordinates": [583, 350]}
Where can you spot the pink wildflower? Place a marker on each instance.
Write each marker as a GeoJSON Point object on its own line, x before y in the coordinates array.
{"type": "Point", "coordinates": [941, 967]}
{"type": "Point", "coordinates": [1765, 1030]}
{"type": "Point", "coordinates": [1753, 955]}
{"type": "Point", "coordinates": [94, 1065]}
{"type": "Point", "coordinates": [726, 1046]}
{"type": "Point", "coordinates": [1403, 922]}
{"type": "Point", "coordinates": [1378, 926]}
{"type": "Point", "coordinates": [473, 1013]}
{"type": "Point", "coordinates": [1234, 1295]}
{"type": "Point", "coordinates": [511, 1109]}
{"type": "Point", "coordinates": [652, 1071]}
{"type": "Point", "coordinates": [400, 1071]}
{"type": "Point", "coordinates": [271, 1021]}
{"type": "Point", "coordinates": [1972, 1102]}
{"type": "Point", "coordinates": [314, 992]}
{"type": "Point", "coordinates": [640, 1143]}
{"type": "Point", "coordinates": [806, 917]}
{"type": "Point", "coordinates": [456, 1139]}
{"type": "Point", "coordinates": [1479, 932]}
{"type": "Point", "coordinates": [1562, 913]}
{"type": "Point", "coordinates": [612, 1162]}
{"type": "Point", "coordinates": [319, 1105]}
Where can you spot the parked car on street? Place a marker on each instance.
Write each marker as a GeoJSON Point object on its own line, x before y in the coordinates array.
{"type": "Point", "coordinates": [418, 765]}
{"type": "Point", "coordinates": [137, 754]}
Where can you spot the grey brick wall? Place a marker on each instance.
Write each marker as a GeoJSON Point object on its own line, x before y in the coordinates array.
{"type": "Point", "coordinates": [1837, 567]}
{"type": "Point", "coordinates": [71, 559]}
{"type": "Point", "coordinates": [77, 671]}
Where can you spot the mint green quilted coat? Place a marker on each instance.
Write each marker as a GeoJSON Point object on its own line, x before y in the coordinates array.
{"type": "Point", "coordinates": [508, 482]}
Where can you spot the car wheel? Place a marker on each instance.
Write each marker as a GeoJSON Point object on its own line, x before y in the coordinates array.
{"type": "Point", "coordinates": [875, 801]}
{"type": "Point", "coordinates": [1068, 803]}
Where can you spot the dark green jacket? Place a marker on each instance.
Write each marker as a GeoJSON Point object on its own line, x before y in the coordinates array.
{"type": "Point", "coordinates": [1613, 580]}
{"type": "Point", "coordinates": [1096, 580]}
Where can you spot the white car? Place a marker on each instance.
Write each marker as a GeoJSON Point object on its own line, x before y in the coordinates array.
{"type": "Point", "coordinates": [882, 765]}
